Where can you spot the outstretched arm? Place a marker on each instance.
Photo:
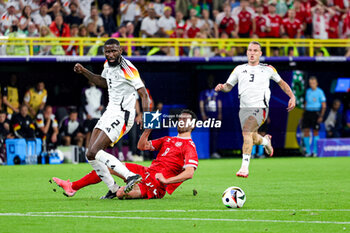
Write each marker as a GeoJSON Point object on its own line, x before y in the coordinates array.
{"type": "Point", "coordinates": [97, 79]}
{"type": "Point", "coordinates": [223, 87]}
{"type": "Point", "coordinates": [143, 143]}
{"type": "Point", "coordinates": [185, 175]}
{"type": "Point", "coordinates": [286, 88]}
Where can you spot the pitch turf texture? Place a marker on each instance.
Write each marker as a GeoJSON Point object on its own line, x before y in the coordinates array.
{"type": "Point", "coordinates": [283, 195]}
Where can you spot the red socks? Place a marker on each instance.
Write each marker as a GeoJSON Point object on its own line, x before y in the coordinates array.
{"type": "Point", "coordinates": [91, 178]}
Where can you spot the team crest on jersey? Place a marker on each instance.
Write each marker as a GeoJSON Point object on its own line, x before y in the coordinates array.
{"type": "Point", "coordinates": [178, 144]}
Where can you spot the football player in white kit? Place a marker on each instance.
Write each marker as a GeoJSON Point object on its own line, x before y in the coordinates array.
{"type": "Point", "coordinates": [122, 80]}
{"type": "Point", "coordinates": [253, 81]}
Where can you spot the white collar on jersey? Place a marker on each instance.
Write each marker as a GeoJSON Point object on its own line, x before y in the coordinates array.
{"type": "Point", "coordinates": [183, 137]}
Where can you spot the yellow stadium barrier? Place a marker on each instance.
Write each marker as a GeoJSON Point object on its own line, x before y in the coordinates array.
{"type": "Point", "coordinates": [175, 43]}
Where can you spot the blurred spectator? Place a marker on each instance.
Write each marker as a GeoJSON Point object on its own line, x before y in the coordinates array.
{"type": "Point", "coordinates": [49, 49]}
{"type": "Point", "coordinates": [22, 124]}
{"type": "Point", "coordinates": [333, 120]}
{"type": "Point", "coordinates": [56, 10]}
{"type": "Point", "coordinates": [262, 23]}
{"type": "Point", "coordinates": [245, 15]}
{"type": "Point", "coordinates": [149, 25]}
{"type": "Point", "coordinates": [225, 48]}
{"type": "Point", "coordinates": [290, 50]}
{"type": "Point", "coordinates": [315, 107]}
{"type": "Point", "coordinates": [276, 21]}
{"type": "Point", "coordinates": [92, 30]}
{"type": "Point", "coordinates": [35, 99]}
{"type": "Point", "coordinates": [8, 17]}
{"type": "Point", "coordinates": [85, 7]}
{"type": "Point", "coordinates": [166, 23]}
{"type": "Point", "coordinates": [292, 26]}
{"type": "Point", "coordinates": [182, 7]}
{"type": "Point", "coordinates": [346, 25]}
{"type": "Point", "coordinates": [210, 106]}
{"type": "Point", "coordinates": [179, 33]}
{"type": "Point", "coordinates": [10, 97]}
{"type": "Point", "coordinates": [159, 8]}
{"type": "Point", "coordinates": [130, 12]}
{"type": "Point", "coordinates": [15, 32]}
{"type": "Point", "coordinates": [96, 20]}
{"type": "Point", "coordinates": [72, 48]}
{"type": "Point", "coordinates": [208, 24]}
{"type": "Point", "coordinates": [194, 5]}
{"type": "Point", "coordinates": [5, 131]}
{"type": "Point", "coordinates": [319, 22]}
{"type": "Point", "coordinates": [143, 5]}
{"type": "Point", "coordinates": [33, 32]}
{"type": "Point", "coordinates": [98, 47]}
{"type": "Point", "coordinates": [192, 29]}
{"type": "Point", "coordinates": [59, 28]}
{"type": "Point", "coordinates": [109, 23]}
{"type": "Point", "coordinates": [121, 32]}
{"type": "Point", "coordinates": [333, 25]}
{"type": "Point", "coordinates": [300, 13]}
{"type": "Point", "coordinates": [171, 4]}
{"type": "Point", "coordinates": [227, 23]}
{"type": "Point", "coordinates": [42, 19]}
{"type": "Point", "coordinates": [47, 128]}
{"type": "Point", "coordinates": [197, 50]}
{"type": "Point", "coordinates": [75, 16]}
{"type": "Point", "coordinates": [72, 130]}
{"type": "Point", "coordinates": [92, 101]}
{"type": "Point", "coordinates": [180, 22]}
{"type": "Point", "coordinates": [26, 19]}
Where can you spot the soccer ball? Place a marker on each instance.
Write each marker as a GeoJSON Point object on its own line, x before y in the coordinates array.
{"type": "Point", "coordinates": [234, 197]}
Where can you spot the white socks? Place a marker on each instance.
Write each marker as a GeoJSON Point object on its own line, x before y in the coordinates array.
{"type": "Point", "coordinates": [112, 162]}
{"type": "Point", "coordinates": [264, 141]}
{"type": "Point", "coordinates": [103, 172]}
{"type": "Point", "coordinates": [245, 160]}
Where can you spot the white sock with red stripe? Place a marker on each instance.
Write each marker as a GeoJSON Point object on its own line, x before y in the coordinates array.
{"type": "Point", "coordinates": [113, 163]}
{"type": "Point", "coordinates": [103, 172]}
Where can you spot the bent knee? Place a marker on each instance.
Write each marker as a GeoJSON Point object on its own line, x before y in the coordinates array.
{"type": "Point", "coordinates": [91, 154]}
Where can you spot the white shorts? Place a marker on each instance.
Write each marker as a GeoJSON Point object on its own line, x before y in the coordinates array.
{"type": "Point", "coordinates": [116, 123]}
{"type": "Point", "coordinates": [260, 114]}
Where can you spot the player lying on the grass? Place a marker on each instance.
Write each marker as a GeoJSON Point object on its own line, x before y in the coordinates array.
{"type": "Point", "coordinates": [253, 81]}
{"type": "Point", "coordinates": [122, 80]}
{"type": "Point", "coordinates": [176, 162]}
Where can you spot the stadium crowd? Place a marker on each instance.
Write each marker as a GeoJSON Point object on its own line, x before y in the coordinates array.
{"type": "Point", "coordinates": [175, 19]}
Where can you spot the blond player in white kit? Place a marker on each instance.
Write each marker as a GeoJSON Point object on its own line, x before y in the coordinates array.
{"type": "Point", "coordinates": [122, 80]}
{"type": "Point", "coordinates": [253, 81]}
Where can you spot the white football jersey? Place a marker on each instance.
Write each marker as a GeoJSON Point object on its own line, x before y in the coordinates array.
{"type": "Point", "coordinates": [122, 80]}
{"type": "Point", "coordinates": [253, 84]}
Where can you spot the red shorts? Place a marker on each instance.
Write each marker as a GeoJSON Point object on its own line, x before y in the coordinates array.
{"type": "Point", "coordinates": [150, 187]}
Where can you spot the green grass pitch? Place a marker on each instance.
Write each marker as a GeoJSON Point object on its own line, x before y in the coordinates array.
{"type": "Point", "coordinates": [283, 195]}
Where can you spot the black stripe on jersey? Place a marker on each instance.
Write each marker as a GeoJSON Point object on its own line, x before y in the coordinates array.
{"type": "Point", "coordinates": [126, 113]}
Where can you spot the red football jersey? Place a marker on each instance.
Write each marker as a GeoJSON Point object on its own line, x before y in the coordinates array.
{"type": "Point", "coordinates": [245, 22]}
{"type": "Point", "coordinates": [262, 22]}
{"type": "Point", "coordinates": [227, 25]}
{"type": "Point", "coordinates": [333, 27]}
{"type": "Point", "coordinates": [191, 32]}
{"type": "Point", "coordinates": [292, 28]}
{"type": "Point", "coordinates": [175, 154]}
{"type": "Point", "coordinates": [276, 22]}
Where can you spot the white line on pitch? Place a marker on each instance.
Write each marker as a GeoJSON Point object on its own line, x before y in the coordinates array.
{"type": "Point", "coordinates": [177, 219]}
{"type": "Point", "coordinates": [183, 211]}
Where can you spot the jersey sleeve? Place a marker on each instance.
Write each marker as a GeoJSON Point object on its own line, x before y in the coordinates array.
{"type": "Point", "coordinates": [132, 74]}
{"type": "Point", "coordinates": [40, 120]}
{"type": "Point", "coordinates": [45, 96]}
{"type": "Point", "coordinates": [190, 154]}
{"type": "Point", "coordinates": [104, 71]}
{"type": "Point", "coordinates": [233, 79]}
{"type": "Point", "coordinates": [274, 75]}
{"type": "Point", "coordinates": [27, 97]}
{"type": "Point", "coordinates": [157, 143]}
{"type": "Point", "coordinates": [322, 96]}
